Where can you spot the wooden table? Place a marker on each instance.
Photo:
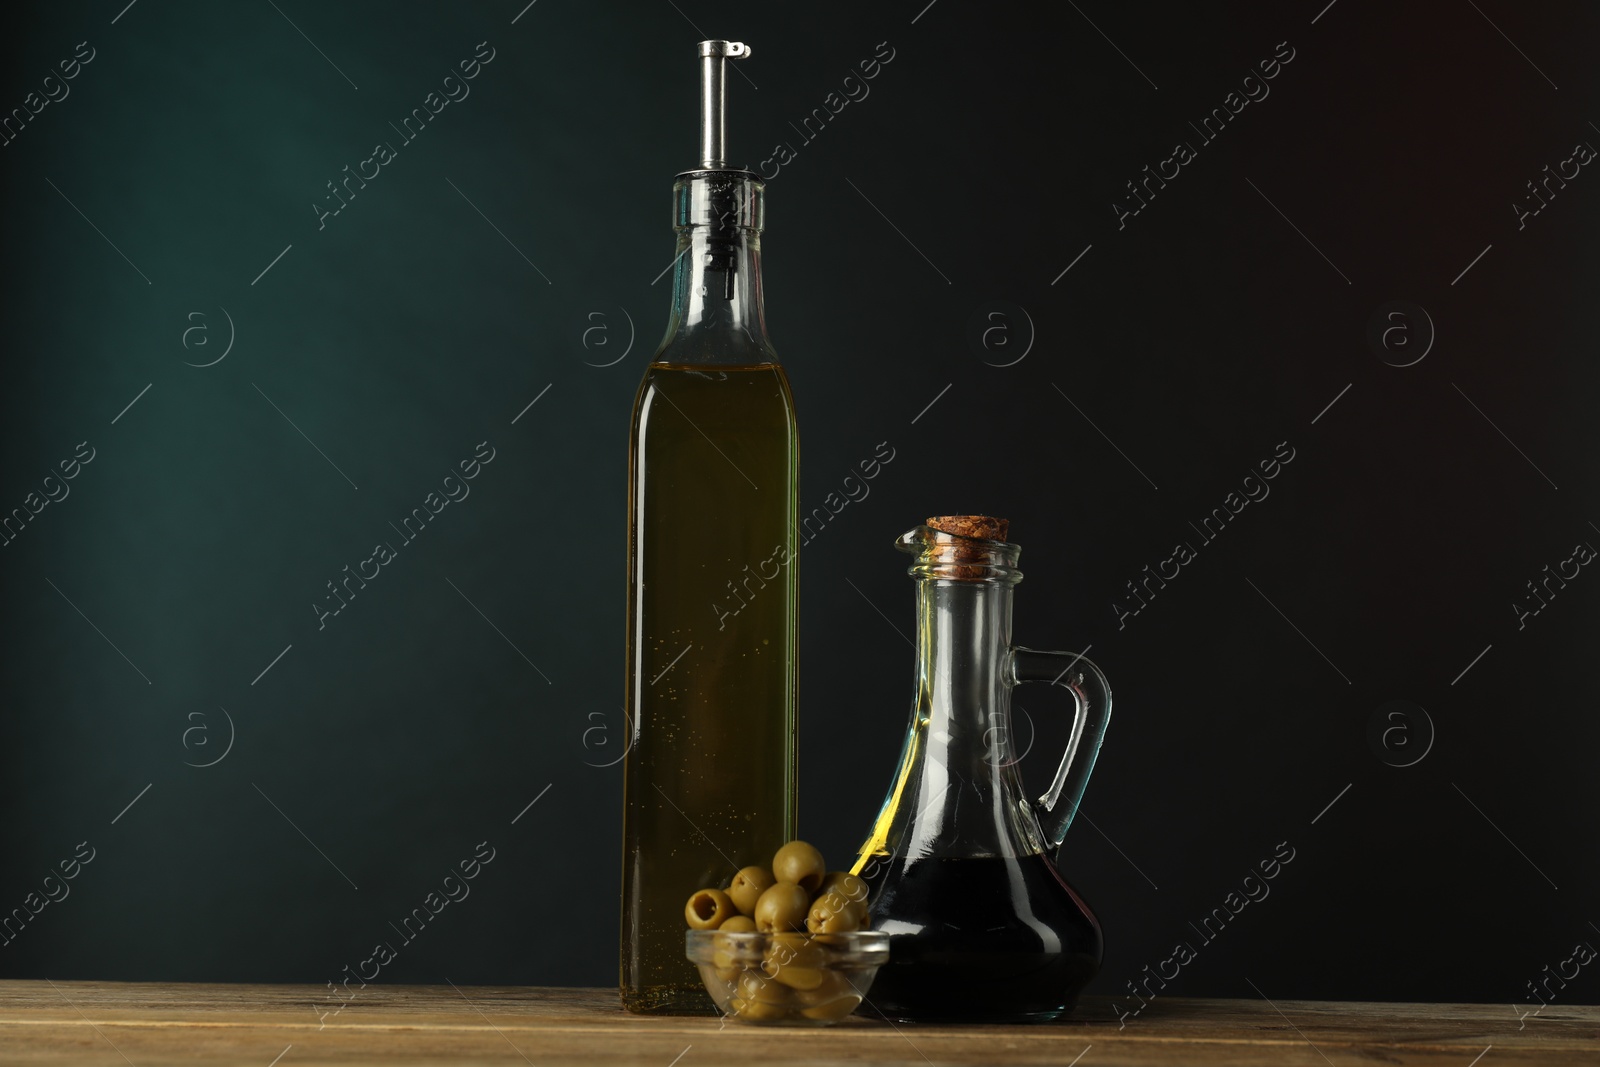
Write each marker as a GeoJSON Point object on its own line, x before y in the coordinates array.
{"type": "Point", "coordinates": [147, 1024]}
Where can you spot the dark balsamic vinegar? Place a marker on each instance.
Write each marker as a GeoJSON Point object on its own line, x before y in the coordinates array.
{"type": "Point", "coordinates": [982, 926]}
{"type": "Point", "coordinates": [982, 939]}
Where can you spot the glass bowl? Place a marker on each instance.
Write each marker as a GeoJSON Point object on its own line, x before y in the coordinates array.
{"type": "Point", "coordinates": [794, 979]}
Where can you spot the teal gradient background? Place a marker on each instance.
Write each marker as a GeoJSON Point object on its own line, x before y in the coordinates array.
{"type": "Point", "coordinates": [483, 666]}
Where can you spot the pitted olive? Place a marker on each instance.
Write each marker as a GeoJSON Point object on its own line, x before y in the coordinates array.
{"type": "Point", "coordinates": [800, 863]}
{"type": "Point", "coordinates": [782, 908]}
{"type": "Point", "coordinates": [708, 909]}
{"type": "Point", "coordinates": [747, 887]}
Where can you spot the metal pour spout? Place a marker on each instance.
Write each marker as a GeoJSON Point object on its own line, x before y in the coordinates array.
{"type": "Point", "coordinates": [714, 100]}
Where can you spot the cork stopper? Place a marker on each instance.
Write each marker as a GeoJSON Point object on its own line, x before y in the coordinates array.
{"type": "Point", "coordinates": [982, 527]}
{"type": "Point", "coordinates": [963, 548]}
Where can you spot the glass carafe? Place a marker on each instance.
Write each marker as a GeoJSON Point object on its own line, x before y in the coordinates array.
{"type": "Point", "coordinates": [983, 926]}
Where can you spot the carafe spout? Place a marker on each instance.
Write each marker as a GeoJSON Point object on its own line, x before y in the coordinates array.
{"type": "Point", "coordinates": [913, 540]}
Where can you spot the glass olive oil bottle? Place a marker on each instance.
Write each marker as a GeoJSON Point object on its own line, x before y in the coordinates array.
{"type": "Point", "coordinates": [712, 542]}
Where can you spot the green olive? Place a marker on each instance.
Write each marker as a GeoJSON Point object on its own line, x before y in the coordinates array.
{"type": "Point", "coordinates": [781, 908]}
{"type": "Point", "coordinates": [832, 1010]}
{"type": "Point", "coordinates": [801, 864]}
{"type": "Point", "coordinates": [747, 887]}
{"type": "Point", "coordinates": [708, 909]}
{"type": "Point", "coordinates": [801, 977]}
{"type": "Point", "coordinates": [753, 986]}
{"type": "Point", "coordinates": [795, 961]}
{"type": "Point", "coordinates": [834, 985]}
{"type": "Point", "coordinates": [834, 998]}
{"type": "Point", "coordinates": [831, 913]}
{"type": "Point", "coordinates": [854, 889]}
{"type": "Point", "coordinates": [791, 950]}
{"type": "Point", "coordinates": [731, 952]}
{"type": "Point", "coordinates": [756, 1011]}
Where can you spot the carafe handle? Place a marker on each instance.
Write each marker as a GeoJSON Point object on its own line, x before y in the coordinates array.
{"type": "Point", "coordinates": [1092, 695]}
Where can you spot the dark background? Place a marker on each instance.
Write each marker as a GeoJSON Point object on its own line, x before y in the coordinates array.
{"type": "Point", "coordinates": [484, 666]}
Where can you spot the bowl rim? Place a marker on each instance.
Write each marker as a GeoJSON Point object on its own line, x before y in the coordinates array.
{"type": "Point", "coordinates": [868, 936]}
{"type": "Point", "coordinates": [852, 948]}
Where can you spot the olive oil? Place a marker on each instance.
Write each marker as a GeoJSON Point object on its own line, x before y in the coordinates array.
{"type": "Point", "coordinates": [711, 654]}
{"type": "Point", "coordinates": [712, 540]}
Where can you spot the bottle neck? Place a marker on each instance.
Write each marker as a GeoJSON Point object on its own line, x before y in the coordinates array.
{"type": "Point", "coordinates": [964, 631]}
{"type": "Point", "coordinates": [962, 795]}
{"type": "Point", "coordinates": [717, 313]}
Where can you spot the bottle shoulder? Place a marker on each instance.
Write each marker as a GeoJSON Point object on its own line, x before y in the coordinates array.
{"type": "Point", "coordinates": [715, 348]}
{"type": "Point", "coordinates": [712, 398]}
{"type": "Point", "coordinates": [750, 381]}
